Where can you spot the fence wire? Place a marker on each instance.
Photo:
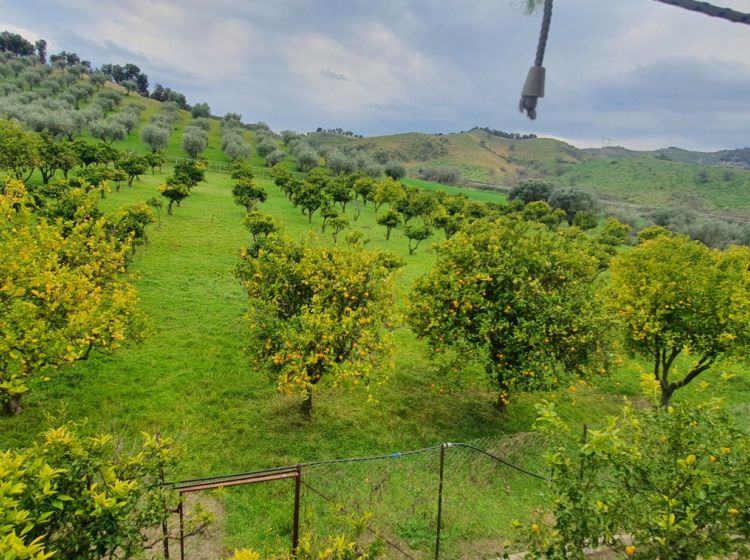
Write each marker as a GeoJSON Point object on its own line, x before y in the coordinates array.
{"type": "Point", "coordinates": [392, 500]}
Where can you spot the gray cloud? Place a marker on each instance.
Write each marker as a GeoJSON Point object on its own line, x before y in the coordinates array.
{"type": "Point", "coordinates": [328, 73]}
{"type": "Point", "coordinates": [639, 72]}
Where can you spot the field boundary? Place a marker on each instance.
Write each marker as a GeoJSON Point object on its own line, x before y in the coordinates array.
{"type": "Point", "coordinates": [297, 473]}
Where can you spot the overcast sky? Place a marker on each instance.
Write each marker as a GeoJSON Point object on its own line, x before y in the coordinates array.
{"type": "Point", "coordinates": [636, 72]}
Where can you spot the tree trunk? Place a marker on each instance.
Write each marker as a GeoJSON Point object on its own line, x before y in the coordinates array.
{"type": "Point", "coordinates": [387, 234]}
{"type": "Point", "coordinates": [666, 396]}
{"type": "Point", "coordinates": [12, 407]}
{"type": "Point", "coordinates": [502, 396]}
{"type": "Point", "coordinates": [307, 405]}
{"type": "Point", "coordinates": [169, 208]}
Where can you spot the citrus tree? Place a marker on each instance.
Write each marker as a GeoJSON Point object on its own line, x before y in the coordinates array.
{"type": "Point", "coordinates": [318, 313]}
{"type": "Point", "coordinates": [519, 294]}
{"type": "Point", "coordinates": [260, 225]}
{"type": "Point", "coordinates": [390, 220]}
{"type": "Point", "coordinates": [675, 297]}
{"type": "Point", "coordinates": [656, 483]}
{"type": "Point", "coordinates": [246, 193]}
{"type": "Point", "coordinates": [62, 294]}
{"type": "Point", "coordinates": [19, 149]}
{"type": "Point", "coordinates": [73, 496]}
{"type": "Point", "coordinates": [190, 173]}
{"type": "Point", "coordinates": [416, 234]}
{"type": "Point", "coordinates": [174, 192]}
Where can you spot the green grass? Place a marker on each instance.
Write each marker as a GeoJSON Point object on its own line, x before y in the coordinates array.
{"type": "Point", "coordinates": [191, 379]}
{"type": "Point", "coordinates": [473, 193]}
{"type": "Point", "coordinates": [649, 180]}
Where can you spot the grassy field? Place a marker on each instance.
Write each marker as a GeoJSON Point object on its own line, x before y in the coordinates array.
{"type": "Point", "coordinates": [191, 380]}
{"type": "Point", "coordinates": [648, 180]}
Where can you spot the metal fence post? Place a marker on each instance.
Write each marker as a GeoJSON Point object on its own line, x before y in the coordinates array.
{"type": "Point", "coordinates": [440, 501]}
{"type": "Point", "coordinates": [182, 531]}
{"type": "Point", "coordinates": [295, 522]}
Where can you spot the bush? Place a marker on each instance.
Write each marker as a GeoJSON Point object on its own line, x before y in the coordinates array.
{"type": "Point", "coordinates": [444, 175]}
{"type": "Point", "coordinates": [71, 496]}
{"type": "Point", "coordinates": [662, 484]}
{"type": "Point", "coordinates": [395, 170]}
{"type": "Point", "coordinates": [531, 191]}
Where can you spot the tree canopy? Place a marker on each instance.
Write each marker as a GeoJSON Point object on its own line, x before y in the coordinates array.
{"type": "Point", "coordinates": [519, 295]}
{"type": "Point", "coordinates": [673, 297]}
{"type": "Point", "coordinates": [318, 313]}
{"type": "Point", "coordinates": [62, 294]}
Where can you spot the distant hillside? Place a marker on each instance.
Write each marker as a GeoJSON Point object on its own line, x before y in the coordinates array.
{"type": "Point", "coordinates": [739, 158]}
{"type": "Point", "coordinates": [478, 155]}
{"type": "Point", "coordinates": [702, 181]}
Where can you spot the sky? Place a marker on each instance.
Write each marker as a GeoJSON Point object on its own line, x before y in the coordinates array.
{"type": "Point", "coordinates": [636, 73]}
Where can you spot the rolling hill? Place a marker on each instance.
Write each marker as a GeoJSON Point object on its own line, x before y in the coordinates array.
{"type": "Point", "coordinates": [717, 182]}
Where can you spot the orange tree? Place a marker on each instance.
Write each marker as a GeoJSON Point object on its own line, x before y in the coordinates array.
{"type": "Point", "coordinates": [174, 192]}
{"type": "Point", "coordinates": [19, 149]}
{"type": "Point", "coordinates": [519, 294]}
{"type": "Point", "coordinates": [72, 496]}
{"type": "Point", "coordinates": [318, 313]}
{"type": "Point", "coordinates": [674, 296]}
{"type": "Point", "coordinates": [62, 294]}
{"type": "Point", "coordinates": [652, 483]}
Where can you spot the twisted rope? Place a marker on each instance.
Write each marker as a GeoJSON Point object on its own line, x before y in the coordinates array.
{"type": "Point", "coordinates": [710, 10]}
{"type": "Point", "coordinates": [534, 87]}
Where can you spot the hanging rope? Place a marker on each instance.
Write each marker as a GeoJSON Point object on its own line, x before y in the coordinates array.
{"type": "Point", "coordinates": [710, 10]}
{"type": "Point", "coordinates": [533, 89]}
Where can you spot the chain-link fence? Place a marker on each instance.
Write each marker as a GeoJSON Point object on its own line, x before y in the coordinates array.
{"type": "Point", "coordinates": [454, 500]}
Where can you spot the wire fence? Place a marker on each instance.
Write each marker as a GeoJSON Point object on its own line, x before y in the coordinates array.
{"type": "Point", "coordinates": [454, 500]}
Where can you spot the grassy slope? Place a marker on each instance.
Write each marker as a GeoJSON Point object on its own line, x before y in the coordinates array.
{"type": "Point", "coordinates": [191, 380]}
{"type": "Point", "coordinates": [614, 173]}
{"type": "Point", "coordinates": [647, 180]}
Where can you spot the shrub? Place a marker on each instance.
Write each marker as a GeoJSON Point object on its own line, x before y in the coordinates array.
{"type": "Point", "coordinates": [71, 496]}
{"type": "Point", "coordinates": [662, 484]}
{"type": "Point", "coordinates": [444, 175]}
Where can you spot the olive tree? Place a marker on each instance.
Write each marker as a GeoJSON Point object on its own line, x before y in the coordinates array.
{"type": "Point", "coordinates": [531, 191]}
{"type": "Point", "coordinates": [194, 141]}
{"type": "Point", "coordinates": [157, 137]}
{"type": "Point", "coordinates": [275, 157]}
{"type": "Point", "coordinates": [108, 130]}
